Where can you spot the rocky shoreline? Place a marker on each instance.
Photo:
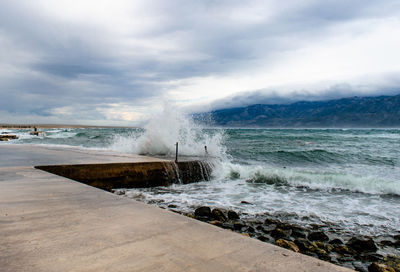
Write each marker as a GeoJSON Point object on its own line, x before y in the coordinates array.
{"type": "Point", "coordinates": [358, 252]}
{"type": "Point", "coordinates": [327, 241]}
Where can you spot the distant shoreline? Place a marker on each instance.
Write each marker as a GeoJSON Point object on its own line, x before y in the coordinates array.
{"type": "Point", "coordinates": [28, 126]}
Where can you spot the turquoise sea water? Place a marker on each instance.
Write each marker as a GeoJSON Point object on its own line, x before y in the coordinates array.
{"type": "Point", "coordinates": [349, 178]}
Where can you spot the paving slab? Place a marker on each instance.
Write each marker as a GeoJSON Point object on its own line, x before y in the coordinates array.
{"type": "Point", "coordinates": [51, 223]}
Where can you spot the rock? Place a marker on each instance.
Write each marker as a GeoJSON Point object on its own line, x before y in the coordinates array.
{"type": "Point", "coordinates": [270, 221]}
{"type": "Point", "coordinates": [376, 267]}
{"type": "Point", "coordinates": [246, 203]}
{"type": "Point", "coordinates": [279, 233]}
{"type": "Point", "coordinates": [362, 245]}
{"type": "Point", "coordinates": [6, 137]}
{"type": "Point", "coordinates": [227, 225]}
{"type": "Point", "coordinates": [387, 243]}
{"type": "Point", "coordinates": [343, 250]}
{"type": "Point", "coordinates": [326, 247]}
{"type": "Point", "coordinates": [305, 245]}
{"type": "Point", "coordinates": [265, 238]}
{"type": "Point", "coordinates": [189, 215]}
{"type": "Point", "coordinates": [219, 215]}
{"type": "Point", "coordinates": [372, 257]}
{"type": "Point", "coordinates": [250, 229]}
{"type": "Point", "coordinates": [232, 215]}
{"type": "Point", "coordinates": [216, 223]}
{"type": "Point", "coordinates": [298, 233]}
{"type": "Point", "coordinates": [203, 212]}
{"type": "Point", "coordinates": [246, 234]}
{"type": "Point", "coordinates": [336, 241]}
{"type": "Point", "coordinates": [393, 261]}
{"type": "Point", "coordinates": [358, 266]}
{"type": "Point", "coordinates": [172, 206]}
{"type": "Point", "coordinates": [266, 229]}
{"type": "Point", "coordinates": [318, 236]}
{"type": "Point", "coordinates": [238, 226]}
{"type": "Point", "coordinates": [287, 244]}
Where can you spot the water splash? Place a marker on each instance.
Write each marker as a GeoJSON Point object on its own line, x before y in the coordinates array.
{"type": "Point", "coordinates": [167, 128]}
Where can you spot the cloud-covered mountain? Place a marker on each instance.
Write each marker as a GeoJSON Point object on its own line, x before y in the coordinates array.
{"type": "Point", "coordinates": [381, 111]}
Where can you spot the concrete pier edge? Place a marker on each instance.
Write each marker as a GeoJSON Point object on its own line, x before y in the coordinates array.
{"type": "Point", "coordinates": [52, 223]}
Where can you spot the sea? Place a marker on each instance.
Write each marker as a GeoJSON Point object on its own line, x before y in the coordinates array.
{"type": "Point", "coordinates": [345, 178]}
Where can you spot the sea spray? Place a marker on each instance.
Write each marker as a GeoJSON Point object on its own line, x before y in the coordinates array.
{"type": "Point", "coordinates": [167, 128]}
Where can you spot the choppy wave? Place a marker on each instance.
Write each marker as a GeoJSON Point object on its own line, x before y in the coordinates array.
{"type": "Point", "coordinates": [330, 181]}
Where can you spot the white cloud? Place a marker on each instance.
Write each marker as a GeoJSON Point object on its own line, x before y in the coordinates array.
{"type": "Point", "coordinates": [117, 60]}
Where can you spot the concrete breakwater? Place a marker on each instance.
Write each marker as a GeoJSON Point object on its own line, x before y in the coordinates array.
{"type": "Point", "coordinates": [133, 175]}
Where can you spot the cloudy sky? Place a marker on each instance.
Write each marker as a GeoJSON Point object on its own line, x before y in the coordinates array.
{"type": "Point", "coordinates": [118, 62]}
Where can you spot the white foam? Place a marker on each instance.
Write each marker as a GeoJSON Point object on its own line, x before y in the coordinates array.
{"type": "Point", "coordinates": [326, 180]}
{"type": "Point", "coordinates": [164, 131]}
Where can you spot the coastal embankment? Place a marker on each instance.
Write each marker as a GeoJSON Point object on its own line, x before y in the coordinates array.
{"type": "Point", "coordinates": [52, 223]}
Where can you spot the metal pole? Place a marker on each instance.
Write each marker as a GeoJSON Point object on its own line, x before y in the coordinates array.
{"type": "Point", "coordinates": [205, 148]}
{"type": "Point", "coordinates": [176, 153]}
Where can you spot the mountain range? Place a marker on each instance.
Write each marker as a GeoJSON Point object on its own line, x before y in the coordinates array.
{"type": "Point", "coordinates": [380, 111]}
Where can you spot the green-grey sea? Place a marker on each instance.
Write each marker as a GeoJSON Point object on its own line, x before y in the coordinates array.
{"type": "Point", "coordinates": [349, 178]}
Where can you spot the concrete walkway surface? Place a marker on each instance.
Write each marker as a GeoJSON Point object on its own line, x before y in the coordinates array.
{"type": "Point", "coordinates": [50, 223]}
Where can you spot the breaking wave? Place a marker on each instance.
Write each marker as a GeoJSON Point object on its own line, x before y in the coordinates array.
{"type": "Point", "coordinates": [165, 130]}
{"type": "Point", "coordinates": [330, 181]}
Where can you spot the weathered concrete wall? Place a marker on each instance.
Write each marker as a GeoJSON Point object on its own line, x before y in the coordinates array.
{"type": "Point", "coordinates": [133, 175]}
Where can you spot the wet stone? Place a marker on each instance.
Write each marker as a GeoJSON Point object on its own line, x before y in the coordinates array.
{"type": "Point", "coordinates": [287, 244]}
{"type": "Point", "coordinates": [377, 267]}
{"type": "Point", "coordinates": [250, 229]}
{"type": "Point", "coordinates": [362, 245]}
{"type": "Point", "coordinates": [238, 226]}
{"type": "Point", "coordinates": [318, 236]}
{"type": "Point", "coordinates": [265, 238]}
{"type": "Point", "coordinates": [203, 212]}
{"type": "Point", "coordinates": [298, 233]}
{"type": "Point", "coordinates": [216, 223]}
{"type": "Point", "coordinates": [227, 225]}
{"type": "Point", "coordinates": [336, 241]}
{"type": "Point", "coordinates": [372, 257]}
{"type": "Point", "coordinates": [279, 233]}
{"type": "Point", "coordinates": [232, 215]}
{"type": "Point", "coordinates": [219, 215]}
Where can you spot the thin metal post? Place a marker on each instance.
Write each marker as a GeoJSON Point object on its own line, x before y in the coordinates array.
{"type": "Point", "coordinates": [205, 148]}
{"type": "Point", "coordinates": [176, 153]}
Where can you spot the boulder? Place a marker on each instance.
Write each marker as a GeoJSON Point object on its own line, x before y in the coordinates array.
{"type": "Point", "coordinates": [216, 223]}
{"type": "Point", "coordinates": [376, 267]}
{"type": "Point", "coordinates": [393, 261]}
{"type": "Point", "coordinates": [228, 225]}
{"type": "Point", "coordinates": [318, 236]}
{"type": "Point", "coordinates": [203, 212]}
{"type": "Point", "coordinates": [305, 245]}
{"type": "Point", "coordinates": [343, 250]}
{"type": "Point", "coordinates": [232, 215]}
{"type": "Point", "coordinates": [219, 215]}
{"type": "Point", "coordinates": [298, 233]}
{"type": "Point", "coordinates": [278, 233]}
{"type": "Point", "coordinates": [238, 226]}
{"type": "Point", "coordinates": [336, 241]}
{"type": "Point", "coordinates": [265, 238]}
{"type": "Point", "coordinates": [362, 245]}
{"type": "Point", "coordinates": [287, 244]}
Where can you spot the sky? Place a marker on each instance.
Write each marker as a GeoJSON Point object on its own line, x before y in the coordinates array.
{"type": "Point", "coordinates": [120, 62]}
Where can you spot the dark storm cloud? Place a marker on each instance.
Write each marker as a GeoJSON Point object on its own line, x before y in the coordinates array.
{"type": "Point", "coordinates": [51, 63]}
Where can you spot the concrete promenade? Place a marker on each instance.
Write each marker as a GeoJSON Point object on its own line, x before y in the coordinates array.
{"type": "Point", "coordinates": [51, 223]}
